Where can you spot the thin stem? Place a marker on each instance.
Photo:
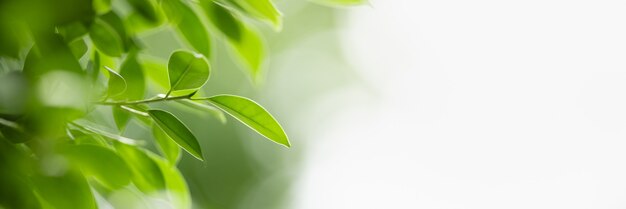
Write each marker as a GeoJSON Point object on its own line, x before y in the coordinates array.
{"type": "Point", "coordinates": [144, 101]}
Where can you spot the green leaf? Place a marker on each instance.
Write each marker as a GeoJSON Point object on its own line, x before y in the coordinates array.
{"type": "Point", "coordinates": [146, 174]}
{"type": "Point", "coordinates": [114, 174]}
{"type": "Point", "coordinates": [251, 114]}
{"type": "Point", "coordinates": [133, 73]}
{"type": "Point", "coordinates": [263, 10]}
{"type": "Point", "coordinates": [216, 113]}
{"type": "Point", "coordinates": [117, 84]}
{"type": "Point", "coordinates": [224, 20]}
{"type": "Point", "coordinates": [176, 130]}
{"type": "Point", "coordinates": [250, 50]}
{"type": "Point", "coordinates": [102, 6]}
{"type": "Point", "coordinates": [146, 9]}
{"type": "Point", "coordinates": [167, 146]}
{"type": "Point", "coordinates": [106, 39]}
{"type": "Point", "coordinates": [187, 70]}
{"type": "Point", "coordinates": [69, 190]}
{"type": "Point", "coordinates": [340, 2]}
{"type": "Point", "coordinates": [78, 48]}
{"type": "Point", "coordinates": [188, 25]}
{"type": "Point", "coordinates": [175, 183]}
{"type": "Point", "coordinates": [121, 118]}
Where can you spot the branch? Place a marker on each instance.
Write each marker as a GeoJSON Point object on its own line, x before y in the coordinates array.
{"type": "Point", "coordinates": [144, 101]}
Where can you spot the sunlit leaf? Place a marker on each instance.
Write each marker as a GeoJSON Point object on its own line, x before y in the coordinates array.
{"type": "Point", "coordinates": [115, 173]}
{"type": "Point", "coordinates": [188, 25]}
{"type": "Point", "coordinates": [224, 20]}
{"type": "Point", "coordinates": [167, 146]}
{"type": "Point", "coordinates": [187, 70]}
{"type": "Point", "coordinates": [117, 84]}
{"type": "Point", "coordinates": [251, 114]}
{"type": "Point", "coordinates": [176, 130]}
{"type": "Point", "coordinates": [146, 174]}
{"type": "Point", "coordinates": [106, 39]}
{"type": "Point", "coordinates": [203, 108]}
{"type": "Point", "coordinates": [250, 50]}
{"type": "Point", "coordinates": [55, 190]}
{"type": "Point", "coordinates": [263, 10]}
{"type": "Point", "coordinates": [102, 6]}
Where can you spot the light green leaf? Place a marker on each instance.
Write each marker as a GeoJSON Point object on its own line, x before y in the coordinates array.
{"type": "Point", "coordinates": [146, 174]}
{"type": "Point", "coordinates": [176, 130]}
{"type": "Point", "coordinates": [223, 19]}
{"type": "Point", "coordinates": [102, 6]}
{"type": "Point", "coordinates": [187, 70]}
{"type": "Point", "coordinates": [263, 10]}
{"type": "Point", "coordinates": [167, 146]}
{"type": "Point", "coordinates": [57, 190]}
{"type": "Point", "coordinates": [175, 183]}
{"type": "Point", "coordinates": [188, 25]}
{"type": "Point", "coordinates": [250, 50]}
{"type": "Point", "coordinates": [251, 114]}
{"type": "Point", "coordinates": [146, 9]}
{"type": "Point", "coordinates": [117, 84]}
{"type": "Point", "coordinates": [114, 174]}
{"type": "Point", "coordinates": [340, 2]}
{"type": "Point", "coordinates": [106, 39]}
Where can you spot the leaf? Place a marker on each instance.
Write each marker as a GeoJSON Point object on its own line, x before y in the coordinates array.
{"type": "Point", "coordinates": [102, 6]}
{"type": "Point", "coordinates": [121, 118]}
{"type": "Point", "coordinates": [146, 9]}
{"type": "Point", "coordinates": [133, 73]}
{"type": "Point", "coordinates": [114, 174]}
{"type": "Point", "coordinates": [106, 39]}
{"type": "Point", "coordinates": [188, 25]}
{"type": "Point", "coordinates": [175, 184]}
{"type": "Point", "coordinates": [263, 10]}
{"type": "Point", "coordinates": [224, 20]}
{"type": "Point", "coordinates": [167, 146]}
{"type": "Point", "coordinates": [187, 70]}
{"type": "Point", "coordinates": [250, 50]}
{"type": "Point", "coordinates": [146, 174]}
{"type": "Point", "coordinates": [216, 113]}
{"type": "Point", "coordinates": [117, 84]}
{"type": "Point", "coordinates": [340, 2]}
{"type": "Point", "coordinates": [69, 190]}
{"type": "Point", "coordinates": [90, 127]}
{"type": "Point", "coordinates": [78, 48]}
{"type": "Point", "coordinates": [176, 130]}
{"type": "Point", "coordinates": [251, 114]}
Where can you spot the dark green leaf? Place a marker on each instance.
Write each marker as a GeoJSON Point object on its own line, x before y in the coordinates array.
{"type": "Point", "coordinates": [146, 9]}
{"type": "Point", "coordinates": [176, 130]}
{"type": "Point", "coordinates": [263, 10]}
{"type": "Point", "coordinates": [187, 70]}
{"type": "Point", "coordinates": [176, 187]}
{"type": "Point", "coordinates": [224, 20]}
{"type": "Point", "coordinates": [146, 174]}
{"type": "Point", "coordinates": [102, 6]}
{"type": "Point", "coordinates": [106, 39]}
{"type": "Point", "coordinates": [121, 118]}
{"type": "Point", "coordinates": [115, 173]}
{"type": "Point", "coordinates": [253, 115]}
{"type": "Point", "coordinates": [167, 146]}
{"type": "Point", "coordinates": [117, 84]}
{"type": "Point", "coordinates": [250, 50]}
{"type": "Point", "coordinates": [78, 47]}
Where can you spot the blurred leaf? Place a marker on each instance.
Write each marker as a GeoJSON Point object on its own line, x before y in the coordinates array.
{"type": "Point", "coordinates": [188, 25]}
{"type": "Point", "coordinates": [102, 6]}
{"type": "Point", "coordinates": [187, 70]}
{"type": "Point", "coordinates": [145, 9]}
{"type": "Point", "coordinates": [78, 48]}
{"type": "Point", "coordinates": [223, 20]}
{"type": "Point", "coordinates": [251, 114]}
{"type": "Point", "coordinates": [69, 190]}
{"type": "Point", "coordinates": [216, 113]}
{"type": "Point", "coordinates": [121, 118]}
{"type": "Point", "coordinates": [116, 22]}
{"type": "Point", "coordinates": [13, 131]}
{"type": "Point", "coordinates": [72, 31]}
{"type": "Point", "coordinates": [133, 73]}
{"type": "Point", "coordinates": [251, 52]}
{"type": "Point", "coordinates": [166, 145]}
{"type": "Point", "coordinates": [176, 130]}
{"type": "Point", "coordinates": [175, 183]}
{"type": "Point", "coordinates": [340, 2]}
{"type": "Point", "coordinates": [146, 174]}
{"type": "Point", "coordinates": [106, 39]}
{"type": "Point", "coordinates": [117, 84]}
{"type": "Point", "coordinates": [90, 159]}
{"type": "Point", "coordinates": [93, 128]}
{"type": "Point", "coordinates": [263, 10]}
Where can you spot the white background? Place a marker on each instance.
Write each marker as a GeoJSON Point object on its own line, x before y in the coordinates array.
{"type": "Point", "coordinates": [475, 104]}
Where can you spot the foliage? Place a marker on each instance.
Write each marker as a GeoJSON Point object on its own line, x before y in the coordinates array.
{"type": "Point", "coordinates": [66, 63]}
